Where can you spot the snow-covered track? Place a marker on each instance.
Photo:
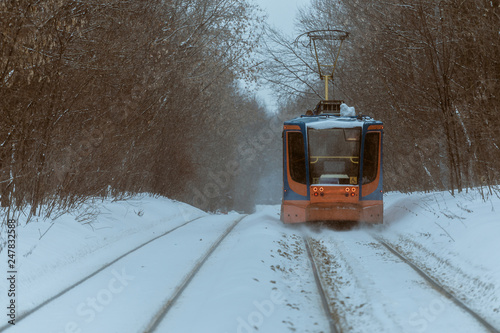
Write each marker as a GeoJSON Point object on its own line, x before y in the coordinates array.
{"type": "Point", "coordinates": [319, 284]}
{"type": "Point", "coordinates": [167, 305]}
{"type": "Point", "coordinates": [25, 314]}
{"type": "Point", "coordinates": [369, 288]}
{"type": "Point", "coordinates": [443, 290]}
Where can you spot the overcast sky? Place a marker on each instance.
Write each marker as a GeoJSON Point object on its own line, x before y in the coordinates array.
{"type": "Point", "coordinates": [281, 13]}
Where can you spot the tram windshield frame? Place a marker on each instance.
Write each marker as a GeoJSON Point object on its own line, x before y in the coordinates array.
{"type": "Point", "coordinates": [334, 156]}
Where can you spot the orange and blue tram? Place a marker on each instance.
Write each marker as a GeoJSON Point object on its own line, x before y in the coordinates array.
{"type": "Point", "coordinates": [332, 169]}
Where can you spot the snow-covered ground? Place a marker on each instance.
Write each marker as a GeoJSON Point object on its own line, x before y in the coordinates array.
{"type": "Point", "coordinates": [259, 279]}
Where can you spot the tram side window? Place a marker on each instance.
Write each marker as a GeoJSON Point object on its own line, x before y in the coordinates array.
{"type": "Point", "coordinates": [297, 157]}
{"type": "Point", "coordinates": [370, 158]}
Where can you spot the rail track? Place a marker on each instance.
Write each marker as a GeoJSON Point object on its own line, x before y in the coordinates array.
{"type": "Point", "coordinates": [170, 301]}
{"type": "Point", "coordinates": [166, 305]}
{"type": "Point", "coordinates": [324, 251]}
{"type": "Point", "coordinates": [330, 302]}
{"type": "Point", "coordinates": [440, 288]}
{"type": "Point", "coordinates": [325, 301]}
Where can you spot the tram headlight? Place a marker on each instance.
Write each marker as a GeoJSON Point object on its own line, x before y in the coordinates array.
{"type": "Point", "coordinates": [347, 189]}
{"type": "Point", "coordinates": [315, 189]}
{"type": "Point", "coordinates": [321, 189]}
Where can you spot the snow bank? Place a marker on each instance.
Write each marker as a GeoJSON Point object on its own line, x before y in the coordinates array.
{"type": "Point", "coordinates": [57, 253]}
{"type": "Point", "coordinates": [453, 239]}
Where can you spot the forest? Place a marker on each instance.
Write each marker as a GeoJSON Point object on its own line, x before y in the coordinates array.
{"type": "Point", "coordinates": [108, 98]}
{"type": "Point", "coordinates": [429, 69]}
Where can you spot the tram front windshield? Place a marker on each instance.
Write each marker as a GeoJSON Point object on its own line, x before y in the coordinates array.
{"type": "Point", "coordinates": [334, 155]}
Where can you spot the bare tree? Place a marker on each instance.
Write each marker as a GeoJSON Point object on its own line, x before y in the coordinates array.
{"type": "Point", "coordinates": [429, 70]}
{"type": "Point", "coordinates": [107, 97]}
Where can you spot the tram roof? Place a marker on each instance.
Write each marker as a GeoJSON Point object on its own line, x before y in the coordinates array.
{"type": "Point", "coordinates": [325, 121]}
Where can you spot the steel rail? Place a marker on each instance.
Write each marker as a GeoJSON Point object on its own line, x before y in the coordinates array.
{"type": "Point", "coordinates": [321, 290]}
{"type": "Point", "coordinates": [438, 287]}
{"type": "Point", "coordinates": [26, 313]}
{"type": "Point", "coordinates": [162, 312]}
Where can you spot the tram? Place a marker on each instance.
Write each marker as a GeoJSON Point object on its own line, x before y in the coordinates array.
{"type": "Point", "coordinates": [332, 159]}
{"type": "Point", "coordinates": [332, 167]}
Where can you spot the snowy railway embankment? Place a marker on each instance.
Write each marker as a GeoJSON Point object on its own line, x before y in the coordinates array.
{"type": "Point", "coordinates": [148, 264]}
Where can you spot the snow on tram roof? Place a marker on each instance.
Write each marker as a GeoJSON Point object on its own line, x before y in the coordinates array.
{"type": "Point", "coordinates": [346, 119]}
{"type": "Point", "coordinates": [331, 121]}
{"type": "Point", "coordinates": [335, 122]}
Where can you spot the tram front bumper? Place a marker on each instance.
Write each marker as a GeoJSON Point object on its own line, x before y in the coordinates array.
{"type": "Point", "coordinates": [333, 212]}
{"type": "Point", "coordinates": [370, 212]}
